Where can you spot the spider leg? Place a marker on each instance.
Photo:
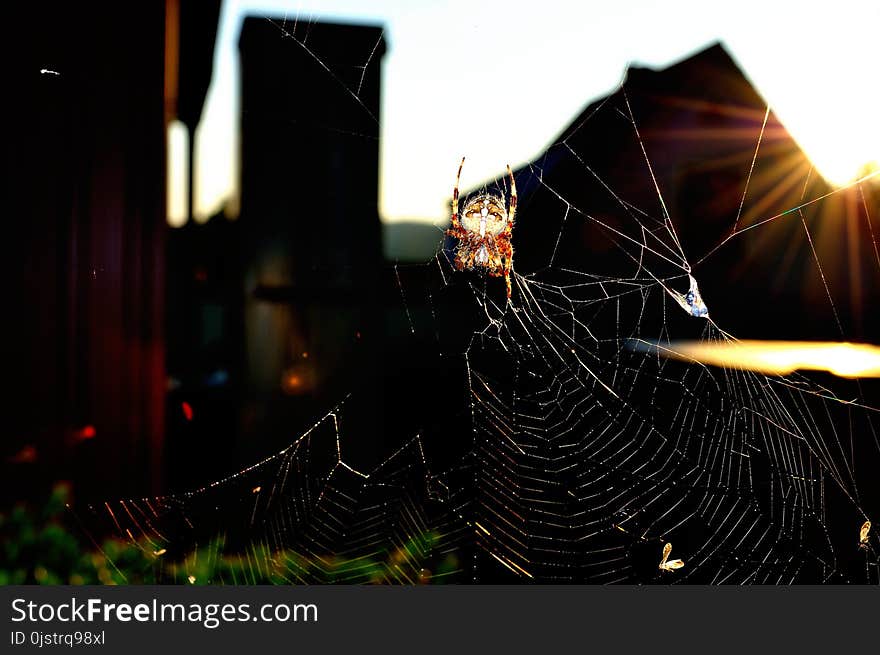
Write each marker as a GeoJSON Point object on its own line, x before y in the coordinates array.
{"type": "Point", "coordinates": [511, 214]}
{"type": "Point", "coordinates": [455, 224]}
{"type": "Point", "coordinates": [508, 265]}
{"type": "Point", "coordinates": [512, 211]}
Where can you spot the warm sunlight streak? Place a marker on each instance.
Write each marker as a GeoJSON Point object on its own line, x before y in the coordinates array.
{"type": "Point", "coordinates": [177, 173]}
{"type": "Point", "coordinates": [850, 360]}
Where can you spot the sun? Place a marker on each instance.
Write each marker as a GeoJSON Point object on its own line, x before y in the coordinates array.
{"type": "Point", "coordinates": [841, 159]}
{"type": "Point", "coordinates": [842, 139]}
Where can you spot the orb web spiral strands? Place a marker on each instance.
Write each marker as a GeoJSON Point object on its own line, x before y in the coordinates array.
{"type": "Point", "coordinates": [579, 452]}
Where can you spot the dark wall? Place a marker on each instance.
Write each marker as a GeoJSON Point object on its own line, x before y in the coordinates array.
{"type": "Point", "coordinates": [84, 152]}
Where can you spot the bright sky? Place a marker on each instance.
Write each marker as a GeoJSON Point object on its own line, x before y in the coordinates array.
{"type": "Point", "coordinates": [815, 63]}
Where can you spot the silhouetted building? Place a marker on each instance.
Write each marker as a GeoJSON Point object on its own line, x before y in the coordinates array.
{"type": "Point", "coordinates": [276, 314]}
{"type": "Point", "coordinates": [309, 214]}
{"type": "Point", "coordinates": [585, 200]}
{"type": "Point", "coordinates": [190, 37]}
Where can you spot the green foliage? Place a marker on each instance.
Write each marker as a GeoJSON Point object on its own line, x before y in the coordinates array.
{"type": "Point", "coordinates": [38, 548]}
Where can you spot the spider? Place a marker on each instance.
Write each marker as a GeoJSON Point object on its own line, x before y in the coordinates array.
{"type": "Point", "coordinates": [484, 231]}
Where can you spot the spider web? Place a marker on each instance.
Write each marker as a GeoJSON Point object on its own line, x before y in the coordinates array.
{"type": "Point", "coordinates": [565, 448]}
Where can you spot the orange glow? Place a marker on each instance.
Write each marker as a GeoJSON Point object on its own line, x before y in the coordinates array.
{"type": "Point", "coordinates": [850, 360]}
{"type": "Point", "coordinates": [291, 383]}
{"type": "Point", "coordinates": [187, 410]}
{"type": "Point", "coordinates": [298, 378]}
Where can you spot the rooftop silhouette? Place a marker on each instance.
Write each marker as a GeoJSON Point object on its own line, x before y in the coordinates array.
{"type": "Point", "coordinates": [699, 122]}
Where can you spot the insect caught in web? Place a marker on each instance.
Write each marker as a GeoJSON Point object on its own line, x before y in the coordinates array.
{"type": "Point", "coordinates": [863, 535]}
{"type": "Point", "coordinates": [484, 230]}
{"type": "Point", "coordinates": [692, 301]}
{"type": "Point", "coordinates": [667, 564]}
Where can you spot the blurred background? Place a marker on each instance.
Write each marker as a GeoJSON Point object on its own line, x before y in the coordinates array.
{"type": "Point", "coordinates": [211, 205]}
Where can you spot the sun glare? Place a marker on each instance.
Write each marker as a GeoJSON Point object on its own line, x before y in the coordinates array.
{"type": "Point", "coordinates": [841, 157]}
{"type": "Point", "coordinates": [829, 106]}
{"type": "Point", "coordinates": [850, 360]}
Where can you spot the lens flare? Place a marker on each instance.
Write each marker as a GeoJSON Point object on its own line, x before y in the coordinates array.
{"type": "Point", "coordinates": [849, 360]}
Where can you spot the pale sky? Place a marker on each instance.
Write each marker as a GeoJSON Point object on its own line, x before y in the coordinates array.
{"type": "Point", "coordinates": [815, 63]}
